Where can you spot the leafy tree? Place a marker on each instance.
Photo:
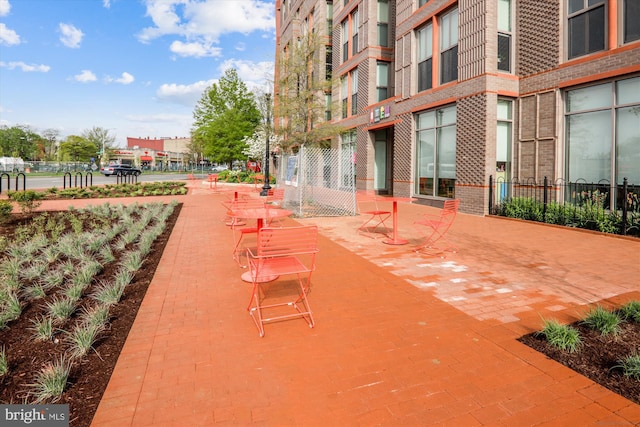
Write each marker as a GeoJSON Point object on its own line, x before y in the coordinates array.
{"type": "Point", "coordinates": [19, 141]}
{"type": "Point", "coordinates": [101, 139]}
{"type": "Point", "coordinates": [224, 115]}
{"type": "Point", "coordinates": [257, 144]}
{"type": "Point", "coordinates": [77, 149]}
{"type": "Point", "coordinates": [301, 110]}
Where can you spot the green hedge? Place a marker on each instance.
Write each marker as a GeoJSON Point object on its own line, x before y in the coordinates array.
{"type": "Point", "coordinates": [588, 216]}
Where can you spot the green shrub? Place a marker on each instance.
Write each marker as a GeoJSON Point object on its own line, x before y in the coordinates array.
{"type": "Point", "coordinates": [28, 200]}
{"type": "Point", "coordinates": [6, 207]}
{"type": "Point", "coordinates": [561, 336]}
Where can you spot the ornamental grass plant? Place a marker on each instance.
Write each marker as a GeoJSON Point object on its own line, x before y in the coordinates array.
{"type": "Point", "coordinates": [602, 320]}
{"type": "Point", "coordinates": [561, 336]}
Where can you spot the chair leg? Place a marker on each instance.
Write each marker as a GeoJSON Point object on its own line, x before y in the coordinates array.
{"type": "Point", "coordinates": [300, 305]}
{"type": "Point", "coordinates": [372, 229]}
{"type": "Point", "coordinates": [430, 243]}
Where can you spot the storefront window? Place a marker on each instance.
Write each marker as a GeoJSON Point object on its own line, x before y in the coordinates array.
{"type": "Point", "coordinates": [436, 152]}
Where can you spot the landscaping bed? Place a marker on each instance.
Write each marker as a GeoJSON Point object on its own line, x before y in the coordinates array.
{"type": "Point", "coordinates": [598, 356]}
{"type": "Point", "coordinates": [26, 355]}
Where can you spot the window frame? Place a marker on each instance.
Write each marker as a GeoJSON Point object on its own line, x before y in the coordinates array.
{"type": "Point", "coordinates": [379, 86]}
{"type": "Point", "coordinates": [625, 20]}
{"type": "Point", "coordinates": [355, 23]}
{"type": "Point", "coordinates": [613, 107]}
{"type": "Point", "coordinates": [353, 80]}
{"type": "Point", "coordinates": [426, 82]}
{"type": "Point", "coordinates": [586, 12]}
{"type": "Point", "coordinates": [449, 52]}
{"type": "Point", "coordinates": [383, 41]}
{"type": "Point", "coordinates": [439, 139]}
{"type": "Point", "coordinates": [505, 34]}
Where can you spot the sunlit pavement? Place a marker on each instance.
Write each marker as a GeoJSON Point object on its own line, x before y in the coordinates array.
{"type": "Point", "coordinates": [400, 338]}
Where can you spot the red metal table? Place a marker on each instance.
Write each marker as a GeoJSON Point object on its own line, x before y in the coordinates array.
{"type": "Point", "coordinates": [259, 214]}
{"type": "Point", "coordinates": [394, 239]}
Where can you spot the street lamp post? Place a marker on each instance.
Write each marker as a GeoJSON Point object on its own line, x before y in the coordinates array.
{"type": "Point", "coordinates": [266, 187]}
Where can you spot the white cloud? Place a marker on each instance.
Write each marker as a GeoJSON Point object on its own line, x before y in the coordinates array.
{"type": "Point", "coordinates": [155, 118]}
{"type": "Point", "coordinates": [202, 23]}
{"type": "Point", "coordinates": [253, 74]}
{"type": "Point", "coordinates": [183, 94]}
{"type": "Point", "coordinates": [25, 67]}
{"type": "Point", "coordinates": [85, 76]}
{"type": "Point", "coordinates": [241, 46]}
{"type": "Point", "coordinates": [5, 7]}
{"type": "Point", "coordinates": [125, 79]}
{"type": "Point", "coordinates": [8, 36]}
{"type": "Point", "coordinates": [70, 35]}
{"type": "Point", "coordinates": [106, 4]}
{"type": "Point", "coordinates": [196, 49]}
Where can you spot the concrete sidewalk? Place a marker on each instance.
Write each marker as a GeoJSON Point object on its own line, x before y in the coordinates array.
{"type": "Point", "coordinates": [400, 338]}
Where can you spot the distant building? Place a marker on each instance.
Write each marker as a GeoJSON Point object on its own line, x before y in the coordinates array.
{"type": "Point", "coordinates": [155, 154]}
{"type": "Point", "coordinates": [438, 95]}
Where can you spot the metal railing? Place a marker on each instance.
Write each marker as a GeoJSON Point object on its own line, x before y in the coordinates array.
{"type": "Point", "coordinates": [613, 208]}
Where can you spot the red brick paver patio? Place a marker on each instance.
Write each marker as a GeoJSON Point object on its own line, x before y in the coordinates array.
{"type": "Point", "coordinates": [400, 338]}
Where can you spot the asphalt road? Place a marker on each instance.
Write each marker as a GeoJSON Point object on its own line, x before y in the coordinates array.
{"type": "Point", "coordinates": [43, 182]}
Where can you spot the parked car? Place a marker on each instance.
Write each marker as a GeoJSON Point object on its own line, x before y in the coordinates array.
{"type": "Point", "coordinates": [120, 170]}
{"type": "Point", "coordinates": [219, 168]}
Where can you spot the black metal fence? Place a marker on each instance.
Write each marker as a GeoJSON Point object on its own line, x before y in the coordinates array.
{"type": "Point", "coordinates": [592, 205]}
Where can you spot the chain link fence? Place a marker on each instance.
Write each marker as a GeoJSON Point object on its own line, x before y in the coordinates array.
{"type": "Point", "coordinates": [318, 182]}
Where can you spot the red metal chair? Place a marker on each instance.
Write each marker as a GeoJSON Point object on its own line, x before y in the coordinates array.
{"type": "Point", "coordinates": [376, 216]}
{"type": "Point", "coordinates": [282, 251]}
{"type": "Point", "coordinates": [275, 196]}
{"type": "Point", "coordinates": [437, 227]}
{"type": "Point", "coordinates": [239, 229]}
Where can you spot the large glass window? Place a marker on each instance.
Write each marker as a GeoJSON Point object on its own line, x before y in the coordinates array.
{"type": "Point", "coordinates": [602, 128]}
{"type": "Point", "coordinates": [382, 81]}
{"type": "Point", "coordinates": [586, 29]}
{"type": "Point", "coordinates": [383, 23]}
{"type": "Point", "coordinates": [425, 52]}
{"type": "Point", "coordinates": [631, 18]}
{"type": "Point", "coordinates": [436, 152]}
{"type": "Point", "coordinates": [504, 35]}
{"type": "Point", "coordinates": [449, 47]}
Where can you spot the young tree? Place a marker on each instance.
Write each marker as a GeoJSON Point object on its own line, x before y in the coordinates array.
{"type": "Point", "coordinates": [301, 107]}
{"type": "Point", "coordinates": [102, 140]}
{"type": "Point", "coordinates": [224, 115]}
{"type": "Point", "coordinates": [77, 149]}
{"type": "Point", "coordinates": [49, 137]}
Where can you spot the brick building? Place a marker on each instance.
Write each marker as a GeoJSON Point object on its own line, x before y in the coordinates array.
{"type": "Point", "coordinates": [438, 95]}
{"type": "Point", "coordinates": [156, 153]}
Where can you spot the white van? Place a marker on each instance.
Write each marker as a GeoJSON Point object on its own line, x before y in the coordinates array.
{"type": "Point", "coordinates": [11, 164]}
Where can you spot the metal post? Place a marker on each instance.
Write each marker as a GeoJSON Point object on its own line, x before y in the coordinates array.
{"type": "Point", "coordinates": [266, 187]}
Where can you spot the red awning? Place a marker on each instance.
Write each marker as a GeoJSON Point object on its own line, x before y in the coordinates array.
{"type": "Point", "coordinates": [146, 158]}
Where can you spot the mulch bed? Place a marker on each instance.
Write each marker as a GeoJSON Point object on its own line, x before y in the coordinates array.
{"type": "Point", "coordinates": [597, 357]}
{"type": "Point", "coordinates": [90, 377]}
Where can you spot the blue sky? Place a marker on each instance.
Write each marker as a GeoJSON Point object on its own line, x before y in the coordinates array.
{"type": "Point", "coordinates": [135, 67]}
